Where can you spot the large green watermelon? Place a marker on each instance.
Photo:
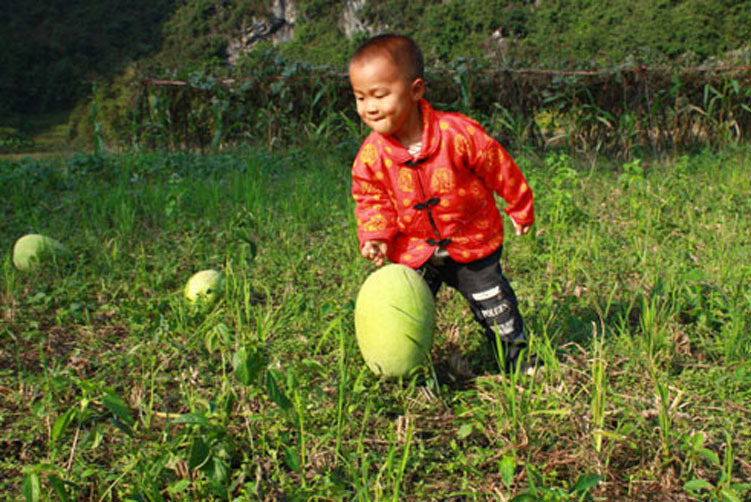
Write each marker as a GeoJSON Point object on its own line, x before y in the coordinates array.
{"type": "Point", "coordinates": [204, 286]}
{"type": "Point", "coordinates": [394, 320]}
{"type": "Point", "coordinates": [32, 249]}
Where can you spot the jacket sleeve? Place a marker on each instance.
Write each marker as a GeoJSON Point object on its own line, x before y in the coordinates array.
{"type": "Point", "coordinates": [375, 213]}
{"type": "Point", "coordinates": [500, 172]}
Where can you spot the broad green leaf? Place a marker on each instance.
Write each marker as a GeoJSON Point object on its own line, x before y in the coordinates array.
{"type": "Point", "coordinates": [464, 431]}
{"type": "Point", "coordinates": [697, 484]}
{"type": "Point", "coordinates": [223, 330]}
{"type": "Point", "coordinates": [59, 486]}
{"type": "Point", "coordinates": [98, 437]}
{"type": "Point", "coordinates": [62, 423]}
{"type": "Point", "coordinates": [121, 425]}
{"type": "Point", "coordinates": [586, 482]}
{"type": "Point", "coordinates": [178, 486]}
{"type": "Point", "coordinates": [508, 466]}
{"type": "Point", "coordinates": [709, 455]}
{"type": "Point", "coordinates": [247, 365]}
{"type": "Point", "coordinates": [199, 454]}
{"type": "Point", "coordinates": [292, 458]}
{"type": "Point", "coordinates": [313, 364]}
{"type": "Point", "coordinates": [275, 393]}
{"type": "Point", "coordinates": [118, 408]}
{"type": "Point", "coordinates": [191, 419]}
{"type": "Point", "coordinates": [730, 495]}
{"type": "Point", "coordinates": [217, 470]}
{"type": "Point", "coordinates": [32, 489]}
{"type": "Point", "coordinates": [227, 403]}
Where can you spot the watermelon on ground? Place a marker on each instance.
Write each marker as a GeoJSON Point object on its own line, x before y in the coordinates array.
{"type": "Point", "coordinates": [32, 249]}
{"type": "Point", "coordinates": [204, 286]}
{"type": "Point", "coordinates": [394, 320]}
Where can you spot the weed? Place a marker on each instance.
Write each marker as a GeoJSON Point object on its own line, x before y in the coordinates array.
{"type": "Point", "coordinates": [114, 388]}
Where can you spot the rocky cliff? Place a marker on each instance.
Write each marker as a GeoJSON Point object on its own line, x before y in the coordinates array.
{"type": "Point", "coordinates": [279, 24]}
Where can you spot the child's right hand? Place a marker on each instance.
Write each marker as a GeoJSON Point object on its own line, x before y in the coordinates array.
{"type": "Point", "coordinates": [375, 251]}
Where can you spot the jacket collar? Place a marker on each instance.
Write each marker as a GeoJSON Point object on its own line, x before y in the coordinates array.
{"type": "Point", "coordinates": [430, 138]}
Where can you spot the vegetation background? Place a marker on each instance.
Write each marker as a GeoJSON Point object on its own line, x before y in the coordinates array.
{"type": "Point", "coordinates": [138, 135]}
{"type": "Point", "coordinates": [94, 57]}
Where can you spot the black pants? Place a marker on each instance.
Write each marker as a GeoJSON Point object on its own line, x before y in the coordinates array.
{"type": "Point", "coordinates": [490, 296]}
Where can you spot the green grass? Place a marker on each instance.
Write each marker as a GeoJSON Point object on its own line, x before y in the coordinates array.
{"type": "Point", "coordinates": [634, 285]}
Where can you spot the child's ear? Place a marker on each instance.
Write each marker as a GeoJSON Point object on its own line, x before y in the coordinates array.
{"type": "Point", "coordinates": [418, 88]}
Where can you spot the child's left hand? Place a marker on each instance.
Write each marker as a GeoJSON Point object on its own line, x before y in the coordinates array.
{"type": "Point", "coordinates": [521, 229]}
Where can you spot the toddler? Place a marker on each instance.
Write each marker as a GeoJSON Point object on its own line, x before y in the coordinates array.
{"type": "Point", "coordinates": [424, 183]}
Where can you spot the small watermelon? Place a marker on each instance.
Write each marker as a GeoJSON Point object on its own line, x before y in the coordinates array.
{"type": "Point", "coordinates": [205, 286]}
{"type": "Point", "coordinates": [32, 249]}
{"type": "Point", "coordinates": [394, 320]}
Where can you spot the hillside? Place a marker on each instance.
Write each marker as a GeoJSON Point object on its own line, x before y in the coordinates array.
{"type": "Point", "coordinates": [52, 51]}
{"type": "Point", "coordinates": [531, 33]}
{"type": "Point", "coordinates": [54, 55]}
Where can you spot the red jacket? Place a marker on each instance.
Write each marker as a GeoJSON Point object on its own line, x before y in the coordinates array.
{"type": "Point", "coordinates": [443, 196]}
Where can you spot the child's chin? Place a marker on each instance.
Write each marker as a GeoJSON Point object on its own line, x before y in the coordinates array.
{"type": "Point", "coordinates": [382, 128]}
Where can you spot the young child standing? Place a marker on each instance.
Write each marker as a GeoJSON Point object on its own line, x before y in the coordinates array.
{"type": "Point", "coordinates": [424, 183]}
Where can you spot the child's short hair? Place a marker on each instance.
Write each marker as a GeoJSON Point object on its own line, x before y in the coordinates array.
{"type": "Point", "coordinates": [402, 49]}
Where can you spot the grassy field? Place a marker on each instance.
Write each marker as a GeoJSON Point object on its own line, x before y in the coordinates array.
{"type": "Point", "coordinates": [634, 285]}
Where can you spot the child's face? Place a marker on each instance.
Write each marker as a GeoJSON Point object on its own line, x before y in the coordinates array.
{"type": "Point", "coordinates": [387, 101]}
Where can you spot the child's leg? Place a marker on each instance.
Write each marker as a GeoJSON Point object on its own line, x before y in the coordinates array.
{"type": "Point", "coordinates": [494, 304]}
